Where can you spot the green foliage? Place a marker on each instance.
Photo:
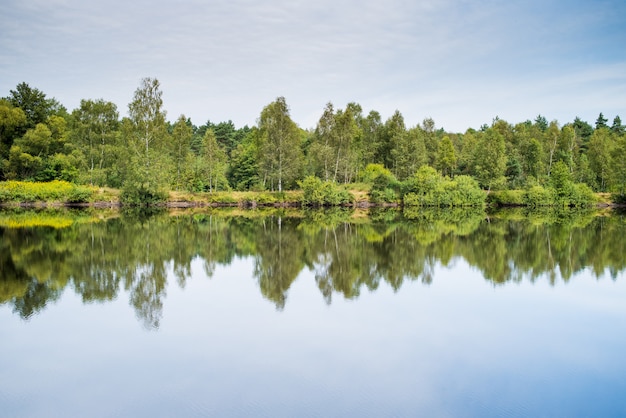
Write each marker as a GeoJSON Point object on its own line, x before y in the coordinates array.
{"type": "Point", "coordinates": [385, 187]}
{"type": "Point", "coordinates": [138, 194]}
{"type": "Point", "coordinates": [539, 196]}
{"type": "Point", "coordinates": [323, 193]}
{"type": "Point", "coordinates": [506, 198]}
{"type": "Point", "coordinates": [429, 188]}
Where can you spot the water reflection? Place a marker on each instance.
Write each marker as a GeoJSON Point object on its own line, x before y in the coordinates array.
{"type": "Point", "coordinates": [100, 254]}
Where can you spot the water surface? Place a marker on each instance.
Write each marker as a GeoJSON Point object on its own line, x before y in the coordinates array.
{"type": "Point", "coordinates": [312, 314]}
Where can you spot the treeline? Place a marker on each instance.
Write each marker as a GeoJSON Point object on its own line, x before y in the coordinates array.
{"type": "Point", "coordinates": [145, 155]}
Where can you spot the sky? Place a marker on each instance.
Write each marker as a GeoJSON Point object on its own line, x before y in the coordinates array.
{"type": "Point", "coordinates": [460, 62]}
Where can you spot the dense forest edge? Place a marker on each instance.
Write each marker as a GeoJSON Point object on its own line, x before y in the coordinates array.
{"type": "Point", "coordinates": [91, 156]}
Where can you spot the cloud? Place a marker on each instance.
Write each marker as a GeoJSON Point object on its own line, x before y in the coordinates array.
{"type": "Point", "coordinates": [456, 60]}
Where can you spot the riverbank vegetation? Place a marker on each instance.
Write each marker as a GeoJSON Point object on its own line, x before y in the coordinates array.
{"type": "Point", "coordinates": [151, 160]}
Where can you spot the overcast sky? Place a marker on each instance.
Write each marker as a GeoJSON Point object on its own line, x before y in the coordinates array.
{"type": "Point", "coordinates": [460, 62]}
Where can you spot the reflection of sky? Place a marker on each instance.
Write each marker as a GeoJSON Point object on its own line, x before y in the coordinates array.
{"type": "Point", "coordinates": [458, 347]}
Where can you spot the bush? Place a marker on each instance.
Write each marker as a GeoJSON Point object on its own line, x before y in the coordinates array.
{"type": "Point", "coordinates": [141, 196]}
{"type": "Point", "coordinates": [506, 198]}
{"type": "Point", "coordinates": [539, 196]}
{"type": "Point", "coordinates": [385, 187]}
{"type": "Point", "coordinates": [323, 193]}
{"type": "Point", "coordinates": [428, 188]}
{"type": "Point", "coordinates": [582, 195]}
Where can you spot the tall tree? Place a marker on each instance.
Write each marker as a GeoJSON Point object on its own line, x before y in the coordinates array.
{"type": "Point", "coordinates": [94, 131]}
{"type": "Point", "coordinates": [617, 127]}
{"type": "Point", "coordinates": [344, 147]}
{"type": "Point", "coordinates": [12, 126]}
{"type": "Point", "coordinates": [33, 102]}
{"type": "Point", "coordinates": [490, 159]}
{"type": "Point", "coordinates": [600, 150]}
{"type": "Point", "coordinates": [280, 152]}
{"type": "Point", "coordinates": [601, 121]}
{"type": "Point", "coordinates": [146, 133]}
{"type": "Point", "coordinates": [216, 161]}
{"type": "Point", "coordinates": [395, 136]}
{"type": "Point", "coordinates": [181, 149]}
{"type": "Point", "coordinates": [446, 157]}
{"type": "Point", "coordinates": [321, 151]}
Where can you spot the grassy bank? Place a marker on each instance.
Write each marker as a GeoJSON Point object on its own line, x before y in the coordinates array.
{"type": "Point", "coordinates": [62, 193]}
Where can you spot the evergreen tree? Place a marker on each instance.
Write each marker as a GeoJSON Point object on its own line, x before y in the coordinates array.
{"type": "Point", "coordinates": [617, 127]}
{"type": "Point", "coordinates": [601, 121]}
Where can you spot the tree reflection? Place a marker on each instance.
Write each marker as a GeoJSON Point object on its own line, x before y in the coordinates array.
{"type": "Point", "coordinates": [346, 252]}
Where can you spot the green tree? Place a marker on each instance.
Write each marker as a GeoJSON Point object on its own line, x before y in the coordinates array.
{"type": "Point", "coordinates": [243, 168]}
{"type": "Point", "coordinates": [33, 103]}
{"type": "Point", "coordinates": [601, 121]}
{"type": "Point", "coordinates": [146, 133]}
{"type": "Point", "coordinates": [344, 145]}
{"type": "Point", "coordinates": [618, 166]}
{"type": "Point", "coordinates": [321, 150]}
{"type": "Point", "coordinates": [280, 153]}
{"type": "Point", "coordinates": [216, 162]}
{"type": "Point", "coordinates": [446, 157]}
{"type": "Point", "coordinates": [396, 138]}
{"type": "Point", "coordinates": [541, 122]}
{"type": "Point", "coordinates": [181, 150]}
{"type": "Point", "coordinates": [489, 164]}
{"type": "Point", "coordinates": [430, 140]}
{"type": "Point", "coordinates": [372, 142]}
{"type": "Point", "coordinates": [95, 125]}
{"type": "Point", "coordinates": [12, 126]}
{"type": "Point", "coordinates": [600, 149]}
{"type": "Point", "coordinates": [617, 127]}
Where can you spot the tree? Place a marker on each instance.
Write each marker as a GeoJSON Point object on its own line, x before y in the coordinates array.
{"type": "Point", "coordinates": [430, 140]}
{"type": "Point", "coordinates": [95, 127]}
{"type": "Point", "coordinates": [541, 122]}
{"type": "Point", "coordinates": [600, 149]}
{"type": "Point", "coordinates": [146, 134]}
{"type": "Point", "coordinates": [617, 127]}
{"type": "Point", "coordinates": [215, 159]}
{"type": "Point", "coordinates": [618, 166]}
{"type": "Point", "coordinates": [321, 151]}
{"type": "Point", "coordinates": [181, 149]}
{"type": "Point", "coordinates": [12, 126]}
{"type": "Point", "coordinates": [343, 147]}
{"type": "Point", "coordinates": [243, 170]}
{"type": "Point", "coordinates": [601, 121]}
{"type": "Point", "coordinates": [372, 142]}
{"type": "Point", "coordinates": [280, 152]}
{"type": "Point", "coordinates": [490, 159]}
{"type": "Point", "coordinates": [396, 138]}
{"type": "Point", "coordinates": [446, 157]}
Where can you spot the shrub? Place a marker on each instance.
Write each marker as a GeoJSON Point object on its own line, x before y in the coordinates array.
{"type": "Point", "coordinates": [316, 192]}
{"type": "Point", "coordinates": [539, 196]}
{"type": "Point", "coordinates": [582, 195]}
{"type": "Point", "coordinates": [506, 198]}
{"type": "Point", "coordinates": [141, 196]}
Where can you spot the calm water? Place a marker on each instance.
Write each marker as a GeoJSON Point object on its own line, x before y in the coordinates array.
{"type": "Point", "coordinates": [434, 314]}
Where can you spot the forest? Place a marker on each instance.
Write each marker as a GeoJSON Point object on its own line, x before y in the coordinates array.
{"type": "Point", "coordinates": [145, 155]}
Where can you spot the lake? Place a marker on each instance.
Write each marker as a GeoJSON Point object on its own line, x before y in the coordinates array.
{"type": "Point", "coordinates": [281, 313]}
